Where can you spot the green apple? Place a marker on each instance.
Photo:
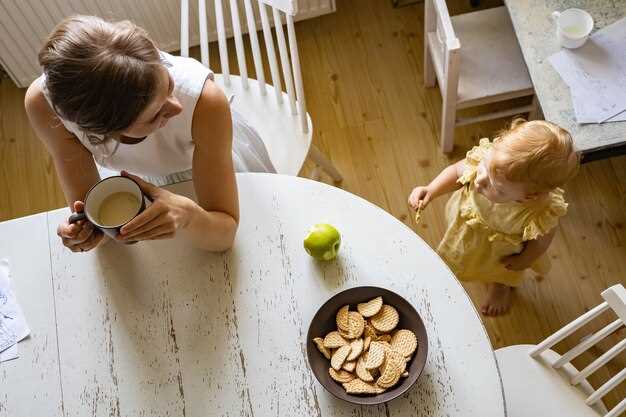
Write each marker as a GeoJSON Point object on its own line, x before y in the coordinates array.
{"type": "Point", "coordinates": [322, 242]}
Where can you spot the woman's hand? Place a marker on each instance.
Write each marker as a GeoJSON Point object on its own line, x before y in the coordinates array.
{"type": "Point", "coordinates": [420, 197]}
{"type": "Point", "coordinates": [81, 236]}
{"type": "Point", "coordinates": [167, 214]}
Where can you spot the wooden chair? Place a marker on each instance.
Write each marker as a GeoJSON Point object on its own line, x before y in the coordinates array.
{"type": "Point", "coordinates": [280, 118]}
{"type": "Point", "coordinates": [538, 382]}
{"type": "Point", "coordinates": [476, 59]}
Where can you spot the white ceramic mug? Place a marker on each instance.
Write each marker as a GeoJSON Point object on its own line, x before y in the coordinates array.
{"type": "Point", "coordinates": [573, 27]}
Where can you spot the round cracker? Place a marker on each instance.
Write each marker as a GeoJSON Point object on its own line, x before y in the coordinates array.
{"type": "Point", "coordinates": [357, 325]}
{"type": "Point", "coordinates": [349, 366]}
{"type": "Point", "coordinates": [370, 331]}
{"type": "Point", "coordinates": [357, 348]}
{"type": "Point", "coordinates": [405, 342]}
{"type": "Point", "coordinates": [361, 370]}
{"type": "Point", "coordinates": [392, 369]}
{"type": "Point", "coordinates": [384, 338]}
{"type": "Point", "coordinates": [376, 355]}
{"type": "Point", "coordinates": [341, 375]}
{"type": "Point", "coordinates": [370, 308]}
{"type": "Point", "coordinates": [366, 343]}
{"type": "Point", "coordinates": [357, 386]}
{"type": "Point", "coordinates": [319, 342]}
{"type": "Point", "coordinates": [343, 319]}
{"type": "Point", "coordinates": [386, 319]}
{"type": "Point", "coordinates": [334, 340]}
{"type": "Point", "coordinates": [339, 357]}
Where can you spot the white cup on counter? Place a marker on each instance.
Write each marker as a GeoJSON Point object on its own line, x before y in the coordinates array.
{"type": "Point", "coordinates": [573, 27]}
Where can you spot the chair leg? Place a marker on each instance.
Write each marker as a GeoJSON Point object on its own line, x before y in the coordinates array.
{"type": "Point", "coordinates": [430, 25]}
{"type": "Point", "coordinates": [430, 76]}
{"type": "Point", "coordinates": [322, 161]}
{"type": "Point", "coordinates": [448, 123]}
{"type": "Point", "coordinates": [535, 113]}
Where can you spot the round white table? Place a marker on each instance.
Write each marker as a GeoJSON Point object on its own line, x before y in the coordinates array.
{"type": "Point", "coordinates": [160, 328]}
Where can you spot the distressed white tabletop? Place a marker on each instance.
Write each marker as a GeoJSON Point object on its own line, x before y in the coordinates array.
{"type": "Point", "coordinates": [536, 35]}
{"type": "Point", "coordinates": [162, 329]}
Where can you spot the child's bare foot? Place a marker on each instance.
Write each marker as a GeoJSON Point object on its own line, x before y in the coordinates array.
{"type": "Point", "coordinates": [498, 300]}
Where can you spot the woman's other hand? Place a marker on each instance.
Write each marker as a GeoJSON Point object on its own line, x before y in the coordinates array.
{"type": "Point", "coordinates": [81, 236]}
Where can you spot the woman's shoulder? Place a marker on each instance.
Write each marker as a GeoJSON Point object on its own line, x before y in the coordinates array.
{"type": "Point", "coordinates": [35, 99]}
{"type": "Point", "coordinates": [48, 126]}
{"type": "Point", "coordinates": [211, 117]}
{"type": "Point", "coordinates": [41, 114]}
{"type": "Point", "coordinates": [189, 75]}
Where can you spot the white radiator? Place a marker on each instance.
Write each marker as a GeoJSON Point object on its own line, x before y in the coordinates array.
{"type": "Point", "coordinates": [25, 24]}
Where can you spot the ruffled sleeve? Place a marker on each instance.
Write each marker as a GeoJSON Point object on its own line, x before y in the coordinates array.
{"type": "Point", "coordinates": [548, 218]}
{"type": "Point", "coordinates": [472, 160]}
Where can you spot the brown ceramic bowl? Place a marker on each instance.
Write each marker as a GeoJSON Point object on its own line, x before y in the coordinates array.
{"type": "Point", "coordinates": [324, 322]}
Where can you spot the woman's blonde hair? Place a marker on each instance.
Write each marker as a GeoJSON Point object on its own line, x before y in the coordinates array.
{"type": "Point", "coordinates": [99, 75]}
{"type": "Point", "coordinates": [538, 153]}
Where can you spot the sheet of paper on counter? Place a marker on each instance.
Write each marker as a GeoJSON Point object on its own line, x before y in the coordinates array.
{"type": "Point", "coordinates": [596, 75]}
{"type": "Point", "coordinates": [9, 353]}
{"type": "Point", "coordinates": [13, 326]}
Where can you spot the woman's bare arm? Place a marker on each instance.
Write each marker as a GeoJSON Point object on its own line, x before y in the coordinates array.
{"type": "Point", "coordinates": [73, 163]}
{"type": "Point", "coordinates": [216, 216]}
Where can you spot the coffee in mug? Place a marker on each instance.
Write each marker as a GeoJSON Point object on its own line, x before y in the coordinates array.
{"type": "Point", "coordinates": [118, 208]}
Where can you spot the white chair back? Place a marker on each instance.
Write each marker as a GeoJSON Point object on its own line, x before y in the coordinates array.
{"type": "Point", "coordinates": [444, 45]}
{"type": "Point", "coordinates": [615, 300]}
{"type": "Point", "coordinates": [282, 12]}
{"type": "Point", "coordinates": [442, 53]}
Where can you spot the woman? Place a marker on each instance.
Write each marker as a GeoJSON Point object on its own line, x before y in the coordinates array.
{"type": "Point", "coordinates": [108, 94]}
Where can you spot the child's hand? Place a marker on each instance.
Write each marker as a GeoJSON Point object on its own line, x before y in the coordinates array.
{"type": "Point", "coordinates": [515, 262]}
{"type": "Point", "coordinates": [420, 197]}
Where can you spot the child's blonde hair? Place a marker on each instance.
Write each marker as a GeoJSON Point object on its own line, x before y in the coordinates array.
{"type": "Point", "coordinates": [538, 153]}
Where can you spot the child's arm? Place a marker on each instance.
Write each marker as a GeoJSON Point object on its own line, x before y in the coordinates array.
{"type": "Point", "coordinates": [444, 183]}
{"type": "Point", "coordinates": [531, 252]}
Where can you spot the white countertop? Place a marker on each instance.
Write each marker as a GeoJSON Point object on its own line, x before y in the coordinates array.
{"type": "Point", "coordinates": [535, 32]}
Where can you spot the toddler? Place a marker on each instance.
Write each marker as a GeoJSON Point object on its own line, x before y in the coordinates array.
{"type": "Point", "coordinates": [503, 215]}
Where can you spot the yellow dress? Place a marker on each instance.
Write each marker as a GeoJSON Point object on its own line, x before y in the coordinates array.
{"type": "Point", "coordinates": [481, 232]}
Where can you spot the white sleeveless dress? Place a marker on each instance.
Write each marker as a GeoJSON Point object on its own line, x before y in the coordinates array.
{"type": "Point", "coordinates": [165, 156]}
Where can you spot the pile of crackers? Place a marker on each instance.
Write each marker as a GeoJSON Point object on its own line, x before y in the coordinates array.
{"type": "Point", "coordinates": [366, 355]}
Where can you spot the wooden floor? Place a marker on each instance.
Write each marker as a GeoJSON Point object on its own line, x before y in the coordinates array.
{"type": "Point", "coordinates": [363, 79]}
